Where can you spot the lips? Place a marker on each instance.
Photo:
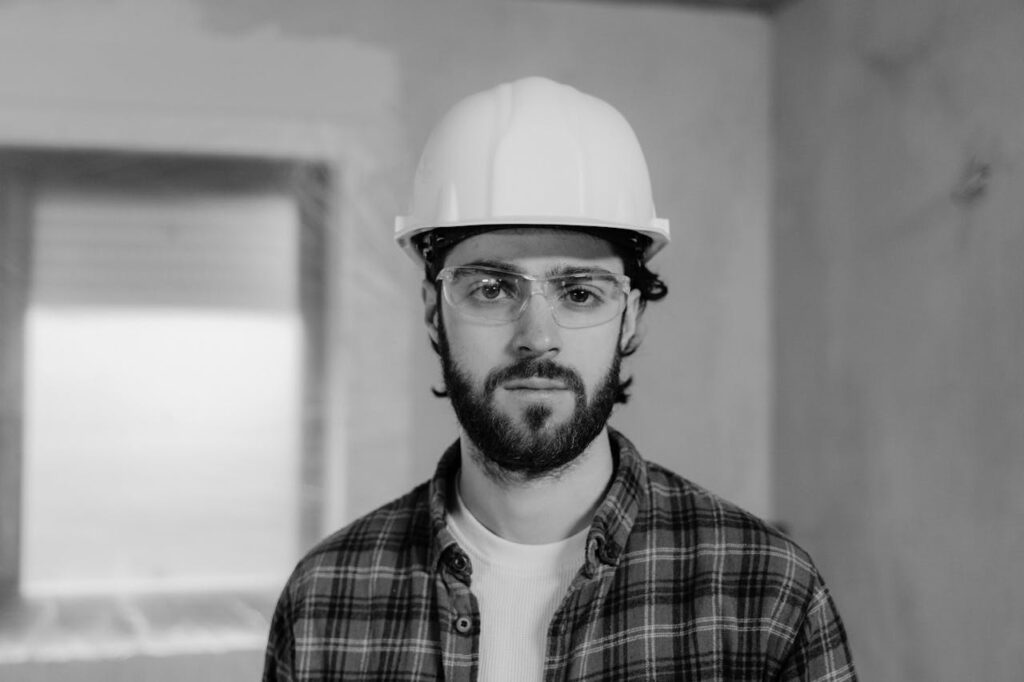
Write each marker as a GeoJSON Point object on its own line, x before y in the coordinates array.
{"type": "Point", "coordinates": [529, 375]}
{"type": "Point", "coordinates": [534, 384]}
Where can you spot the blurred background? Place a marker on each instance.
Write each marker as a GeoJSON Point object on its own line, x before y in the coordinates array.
{"type": "Point", "coordinates": [211, 352]}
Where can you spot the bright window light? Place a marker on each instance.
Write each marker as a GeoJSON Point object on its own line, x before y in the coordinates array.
{"type": "Point", "coordinates": [162, 442]}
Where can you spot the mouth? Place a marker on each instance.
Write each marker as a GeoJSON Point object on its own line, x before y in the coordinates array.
{"type": "Point", "coordinates": [534, 384]}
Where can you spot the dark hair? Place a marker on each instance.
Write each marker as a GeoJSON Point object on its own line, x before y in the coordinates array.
{"type": "Point", "coordinates": [629, 246]}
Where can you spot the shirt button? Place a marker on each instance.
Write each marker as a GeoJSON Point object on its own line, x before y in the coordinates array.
{"type": "Point", "coordinates": [459, 562]}
{"type": "Point", "coordinates": [463, 625]}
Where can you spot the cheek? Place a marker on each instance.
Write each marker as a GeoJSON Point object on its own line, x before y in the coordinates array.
{"type": "Point", "coordinates": [476, 348]}
{"type": "Point", "coordinates": [596, 356]}
{"type": "Point", "coordinates": [590, 352]}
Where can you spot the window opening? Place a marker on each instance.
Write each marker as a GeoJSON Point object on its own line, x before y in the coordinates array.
{"type": "Point", "coordinates": [171, 352]}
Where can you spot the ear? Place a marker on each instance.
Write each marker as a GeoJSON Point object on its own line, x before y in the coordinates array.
{"type": "Point", "coordinates": [630, 319]}
{"type": "Point", "coordinates": [430, 311]}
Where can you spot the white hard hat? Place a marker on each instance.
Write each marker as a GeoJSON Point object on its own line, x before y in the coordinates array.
{"type": "Point", "coordinates": [532, 152]}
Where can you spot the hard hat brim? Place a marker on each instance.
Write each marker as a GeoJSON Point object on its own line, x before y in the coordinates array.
{"type": "Point", "coordinates": [656, 234]}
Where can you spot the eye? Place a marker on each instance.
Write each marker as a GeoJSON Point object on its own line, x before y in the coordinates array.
{"type": "Point", "coordinates": [579, 295]}
{"type": "Point", "coordinates": [583, 294]}
{"type": "Point", "coordinates": [489, 288]}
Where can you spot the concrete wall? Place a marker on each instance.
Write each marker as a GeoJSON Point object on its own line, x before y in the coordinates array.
{"type": "Point", "coordinates": [358, 85]}
{"type": "Point", "coordinates": [900, 325]}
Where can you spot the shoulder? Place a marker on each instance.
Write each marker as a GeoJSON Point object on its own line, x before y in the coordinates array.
{"type": "Point", "coordinates": [374, 563]}
{"type": "Point", "coordinates": [744, 571]}
{"type": "Point", "coordinates": [673, 516]}
{"type": "Point", "coordinates": [707, 527]}
{"type": "Point", "coordinates": [391, 537]}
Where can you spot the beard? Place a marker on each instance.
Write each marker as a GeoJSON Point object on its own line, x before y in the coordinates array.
{"type": "Point", "coordinates": [531, 447]}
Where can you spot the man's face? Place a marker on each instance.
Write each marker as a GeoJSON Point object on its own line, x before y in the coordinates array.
{"type": "Point", "coordinates": [530, 394]}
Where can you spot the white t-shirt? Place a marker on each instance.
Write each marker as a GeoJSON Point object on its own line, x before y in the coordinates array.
{"type": "Point", "coordinates": [518, 588]}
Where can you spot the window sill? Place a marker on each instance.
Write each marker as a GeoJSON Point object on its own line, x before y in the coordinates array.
{"type": "Point", "coordinates": [63, 629]}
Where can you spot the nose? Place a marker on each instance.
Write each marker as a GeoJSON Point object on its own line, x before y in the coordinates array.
{"type": "Point", "coordinates": [537, 333]}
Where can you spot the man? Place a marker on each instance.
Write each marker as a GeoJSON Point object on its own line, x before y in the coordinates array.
{"type": "Point", "coordinates": [545, 547]}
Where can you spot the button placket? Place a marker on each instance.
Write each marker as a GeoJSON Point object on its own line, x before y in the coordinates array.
{"type": "Point", "coordinates": [459, 622]}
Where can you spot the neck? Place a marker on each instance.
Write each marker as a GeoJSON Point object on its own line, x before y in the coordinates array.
{"type": "Point", "coordinates": [537, 510]}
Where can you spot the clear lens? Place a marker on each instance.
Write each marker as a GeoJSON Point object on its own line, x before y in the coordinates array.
{"type": "Point", "coordinates": [579, 299]}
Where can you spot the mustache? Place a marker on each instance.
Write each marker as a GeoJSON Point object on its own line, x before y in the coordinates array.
{"type": "Point", "coordinates": [532, 368]}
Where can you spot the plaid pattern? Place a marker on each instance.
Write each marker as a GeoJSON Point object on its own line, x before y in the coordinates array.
{"type": "Point", "coordinates": [676, 585]}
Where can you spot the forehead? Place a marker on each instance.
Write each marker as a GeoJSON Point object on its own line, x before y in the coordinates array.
{"type": "Point", "coordinates": [534, 248]}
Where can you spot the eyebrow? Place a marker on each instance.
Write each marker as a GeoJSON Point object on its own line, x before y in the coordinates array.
{"type": "Point", "coordinates": [496, 264]}
{"type": "Point", "coordinates": [555, 271]}
{"type": "Point", "coordinates": [578, 270]}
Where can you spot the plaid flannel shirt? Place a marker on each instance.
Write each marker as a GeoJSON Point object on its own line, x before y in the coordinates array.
{"type": "Point", "coordinates": [676, 585]}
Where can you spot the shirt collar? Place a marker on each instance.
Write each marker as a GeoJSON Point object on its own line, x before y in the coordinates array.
{"type": "Point", "coordinates": [608, 531]}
